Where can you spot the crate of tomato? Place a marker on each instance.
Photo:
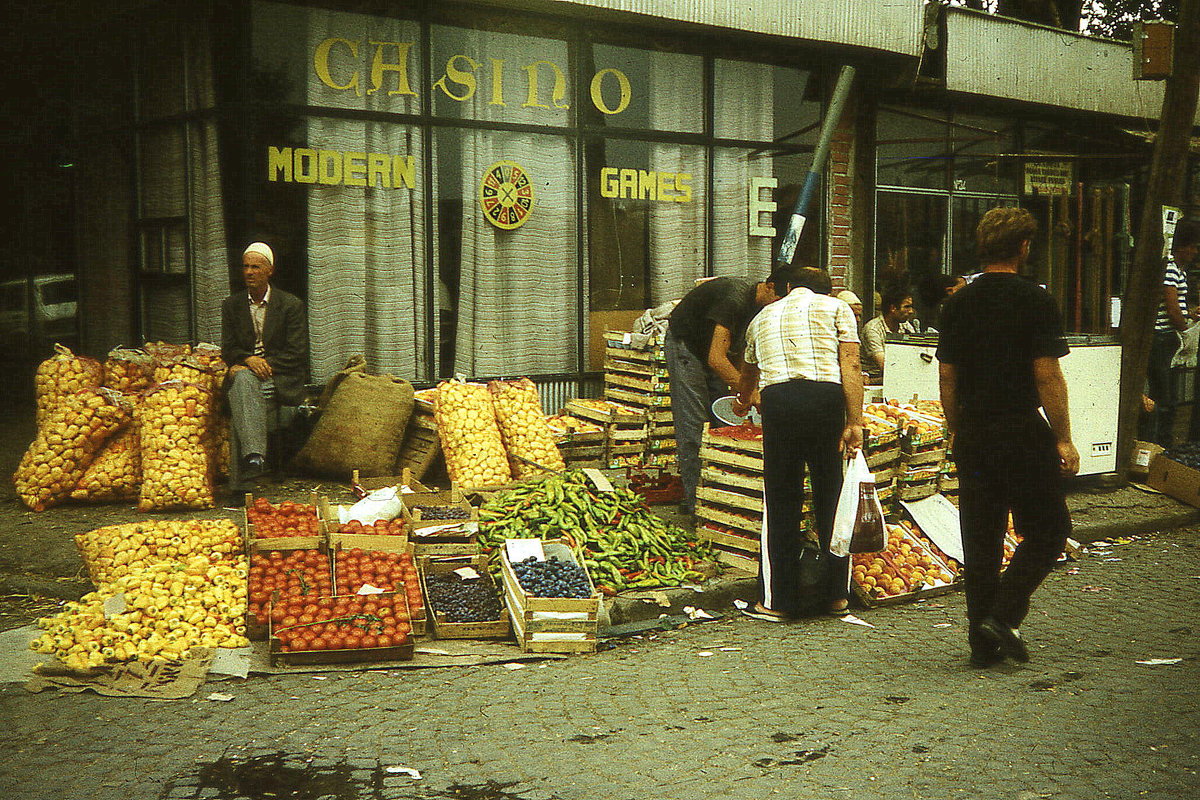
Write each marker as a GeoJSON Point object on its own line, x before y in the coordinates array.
{"type": "Point", "coordinates": [274, 575]}
{"type": "Point", "coordinates": [349, 629]}
{"type": "Point", "coordinates": [284, 525]}
{"type": "Point", "coordinates": [358, 572]}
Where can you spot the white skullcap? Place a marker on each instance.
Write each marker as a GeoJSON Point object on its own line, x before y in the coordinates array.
{"type": "Point", "coordinates": [848, 297]}
{"type": "Point", "coordinates": [263, 250]}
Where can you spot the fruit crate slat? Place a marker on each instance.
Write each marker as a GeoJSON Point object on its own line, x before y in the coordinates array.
{"type": "Point", "coordinates": [732, 499]}
{"type": "Point", "coordinates": [741, 544]}
{"type": "Point", "coordinates": [736, 560]}
{"type": "Point", "coordinates": [598, 411]}
{"type": "Point", "coordinates": [752, 446]}
{"type": "Point", "coordinates": [650, 386]}
{"type": "Point", "coordinates": [640, 368]}
{"type": "Point", "coordinates": [637, 399]}
{"type": "Point", "coordinates": [714, 514]}
{"type": "Point", "coordinates": [710, 475]}
{"type": "Point", "coordinates": [729, 458]}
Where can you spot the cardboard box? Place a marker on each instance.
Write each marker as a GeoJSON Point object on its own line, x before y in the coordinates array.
{"type": "Point", "coordinates": [1143, 454]}
{"type": "Point", "coordinates": [600, 322]}
{"type": "Point", "coordinates": [1174, 479]}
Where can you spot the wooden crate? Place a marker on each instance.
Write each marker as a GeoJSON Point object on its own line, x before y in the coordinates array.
{"type": "Point", "coordinates": [637, 398]}
{"type": "Point", "coordinates": [252, 544]}
{"type": "Point", "coordinates": [363, 541]}
{"type": "Point", "coordinates": [441, 628]}
{"type": "Point", "coordinates": [735, 499]}
{"type": "Point", "coordinates": [537, 621]}
{"type": "Point", "coordinates": [256, 631]}
{"type": "Point", "coordinates": [403, 652]}
{"type": "Point", "coordinates": [418, 623]}
{"type": "Point", "coordinates": [870, 601]}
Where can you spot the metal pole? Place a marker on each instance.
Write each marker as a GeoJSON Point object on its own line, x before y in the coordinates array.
{"type": "Point", "coordinates": [796, 224]}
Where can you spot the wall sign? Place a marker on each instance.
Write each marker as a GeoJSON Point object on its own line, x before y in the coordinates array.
{"type": "Point", "coordinates": [641, 184]}
{"type": "Point", "coordinates": [1048, 177]}
{"type": "Point", "coordinates": [506, 195]}
{"type": "Point", "coordinates": [340, 168]}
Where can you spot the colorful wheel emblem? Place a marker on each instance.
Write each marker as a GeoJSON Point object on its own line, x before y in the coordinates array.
{"type": "Point", "coordinates": [506, 194]}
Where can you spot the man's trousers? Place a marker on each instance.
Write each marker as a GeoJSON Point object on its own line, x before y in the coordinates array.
{"type": "Point", "coordinates": [1008, 465]}
{"type": "Point", "coordinates": [802, 425]}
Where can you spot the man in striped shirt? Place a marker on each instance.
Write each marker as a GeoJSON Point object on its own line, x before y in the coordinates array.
{"type": "Point", "coordinates": [801, 369]}
{"type": "Point", "coordinates": [1172, 320]}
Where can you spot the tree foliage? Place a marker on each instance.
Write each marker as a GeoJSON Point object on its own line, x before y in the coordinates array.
{"type": "Point", "coordinates": [1111, 18]}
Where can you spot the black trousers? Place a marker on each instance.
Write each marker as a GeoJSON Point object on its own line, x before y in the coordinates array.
{"type": "Point", "coordinates": [1158, 388]}
{"type": "Point", "coordinates": [1010, 465]}
{"type": "Point", "coordinates": [802, 424]}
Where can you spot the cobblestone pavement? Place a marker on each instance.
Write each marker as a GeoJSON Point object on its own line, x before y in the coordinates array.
{"type": "Point", "coordinates": [731, 709]}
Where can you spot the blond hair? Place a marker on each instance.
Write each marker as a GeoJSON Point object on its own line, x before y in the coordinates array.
{"type": "Point", "coordinates": [999, 235]}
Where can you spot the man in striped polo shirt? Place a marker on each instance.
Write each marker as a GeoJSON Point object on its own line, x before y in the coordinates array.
{"type": "Point", "coordinates": [1172, 320]}
{"type": "Point", "coordinates": [801, 369]}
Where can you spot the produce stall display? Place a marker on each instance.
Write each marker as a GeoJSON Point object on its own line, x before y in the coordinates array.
{"type": "Point", "coordinates": [904, 570]}
{"type": "Point", "coordinates": [470, 435]}
{"type": "Point", "coordinates": [527, 438]}
{"type": "Point", "coordinates": [114, 551]}
{"type": "Point", "coordinates": [622, 543]}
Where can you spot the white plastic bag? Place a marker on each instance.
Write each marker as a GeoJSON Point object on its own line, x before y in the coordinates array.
{"type": "Point", "coordinates": [857, 472]}
{"type": "Point", "coordinates": [1185, 356]}
{"type": "Point", "coordinates": [380, 504]}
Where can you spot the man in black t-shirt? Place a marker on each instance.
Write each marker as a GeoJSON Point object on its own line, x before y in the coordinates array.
{"type": "Point", "coordinates": [705, 336]}
{"type": "Point", "coordinates": [1001, 339]}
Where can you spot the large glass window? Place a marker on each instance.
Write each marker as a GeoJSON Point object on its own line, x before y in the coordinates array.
{"type": "Point", "coordinates": [631, 88]}
{"type": "Point", "coordinates": [647, 222]}
{"type": "Point", "coordinates": [983, 149]}
{"type": "Point", "coordinates": [754, 192]}
{"type": "Point", "coordinates": [910, 238]}
{"type": "Point", "coordinates": [502, 77]}
{"type": "Point", "coordinates": [336, 59]}
{"type": "Point", "coordinates": [911, 149]}
{"type": "Point", "coordinates": [761, 102]}
{"type": "Point", "coordinates": [506, 253]}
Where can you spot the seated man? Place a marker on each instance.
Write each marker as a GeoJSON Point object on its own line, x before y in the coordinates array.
{"type": "Point", "coordinates": [264, 340]}
{"type": "Point", "coordinates": [895, 316]}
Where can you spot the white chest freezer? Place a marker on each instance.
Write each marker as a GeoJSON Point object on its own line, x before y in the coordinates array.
{"type": "Point", "coordinates": [1092, 371]}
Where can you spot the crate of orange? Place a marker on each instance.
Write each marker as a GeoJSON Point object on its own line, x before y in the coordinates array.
{"type": "Point", "coordinates": [903, 571]}
{"type": "Point", "coordinates": [340, 630]}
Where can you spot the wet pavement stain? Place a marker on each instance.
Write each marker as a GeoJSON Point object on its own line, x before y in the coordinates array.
{"type": "Point", "coordinates": [281, 777]}
{"type": "Point", "coordinates": [589, 738]}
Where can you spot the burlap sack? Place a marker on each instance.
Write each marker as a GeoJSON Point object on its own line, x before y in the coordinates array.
{"type": "Point", "coordinates": [361, 429]}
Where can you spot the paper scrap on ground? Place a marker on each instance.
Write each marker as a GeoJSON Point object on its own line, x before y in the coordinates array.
{"type": "Point", "coordinates": [943, 624]}
{"type": "Point", "coordinates": [1159, 662]}
{"type": "Point", "coordinates": [221, 697]}
{"type": "Point", "coordinates": [853, 620]}
{"type": "Point", "coordinates": [514, 665]}
{"type": "Point", "coordinates": [697, 613]}
{"type": "Point", "coordinates": [231, 661]}
{"type": "Point", "coordinates": [740, 604]}
{"type": "Point", "coordinates": [729, 649]}
{"type": "Point", "coordinates": [705, 653]}
{"type": "Point", "coordinates": [409, 771]}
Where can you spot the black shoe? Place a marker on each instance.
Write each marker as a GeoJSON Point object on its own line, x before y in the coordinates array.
{"type": "Point", "coordinates": [1007, 639]}
{"type": "Point", "coordinates": [254, 465]}
{"type": "Point", "coordinates": [986, 657]}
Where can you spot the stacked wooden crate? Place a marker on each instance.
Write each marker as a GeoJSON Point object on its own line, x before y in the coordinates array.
{"type": "Point", "coordinates": [581, 441]}
{"type": "Point", "coordinates": [638, 378]}
{"type": "Point", "coordinates": [422, 446]}
{"type": "Point", "coordinates": [626, 429]}
{"type": "Point", "coordinates": [729, 499]}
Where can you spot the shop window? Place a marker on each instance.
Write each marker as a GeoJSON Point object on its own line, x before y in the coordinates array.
{"type": "Point", "coordinates": [645, 89]}
{"type": "Point", "coordinates": [910, 239]}
{"type": "Point", "coordinates": [646, 213]}
{"type": "Point", "coordinates": [336, 59]}
{"type": "Point", "coordinates": [911, 149]}
{"type": "Point", "coordinates": [983, 149]}
{"type": "Point", "coordinates": [765, 103]}
{"type": "Point", "coordinates": [506, 253]}
{"type": "Point", "coordinates": [501, 77]}
{"type": "Point", "coordinates": [754, 192]}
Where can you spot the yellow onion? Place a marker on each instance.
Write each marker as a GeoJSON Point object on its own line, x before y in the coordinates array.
{"type": "Point", "coordinates": [470, 435]}
{"type": "Point", "coordinates": [62, 375]}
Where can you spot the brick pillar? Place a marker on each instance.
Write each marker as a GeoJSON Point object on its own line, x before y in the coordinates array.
{"type": "Point", "coordinates": [839, 184]}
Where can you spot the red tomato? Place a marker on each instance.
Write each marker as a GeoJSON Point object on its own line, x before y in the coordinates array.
{"type": "Point", "coordinates": [383, 641]}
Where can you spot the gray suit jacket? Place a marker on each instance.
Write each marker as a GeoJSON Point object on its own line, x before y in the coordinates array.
{"type": "Point", "coordinates": [285, 340]}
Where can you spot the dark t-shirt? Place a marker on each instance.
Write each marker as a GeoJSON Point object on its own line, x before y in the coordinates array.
{"type": "Point", "coordinates": [991, 331]}
{"type": "Point", "coordinates": [725, 301]}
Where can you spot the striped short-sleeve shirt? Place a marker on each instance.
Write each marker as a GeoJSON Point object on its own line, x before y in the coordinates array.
{"type": "Point", "coordinates": [1172, 277]}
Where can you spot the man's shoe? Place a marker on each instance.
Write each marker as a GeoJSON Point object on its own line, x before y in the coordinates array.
{"type": "Point", "coordinates": [254, 465]}
{"type": "Point", "coordinates": [1007, 639]}
{"type": "Point", "coordinates": [760, 612]}
{"type": "Point", "coordinates": [984, 658]}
